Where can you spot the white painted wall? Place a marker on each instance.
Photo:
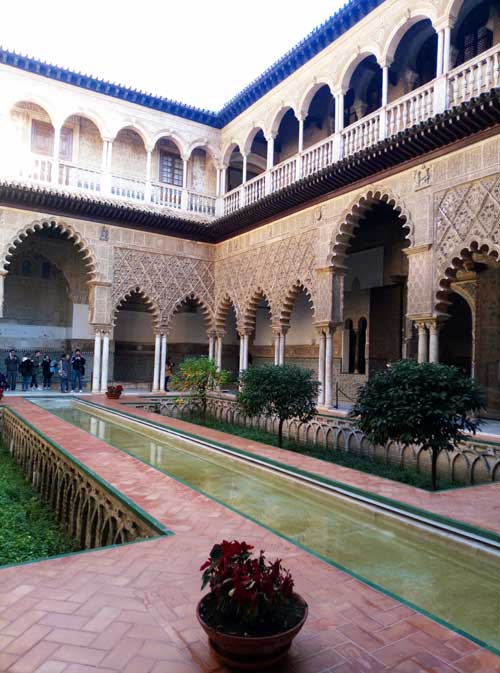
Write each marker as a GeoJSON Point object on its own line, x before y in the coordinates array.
{"type": "Point", "coordinates": [134, 327]}
{"type": "Point", "coordinates": [188, 328]}
{"type": "Point", "coordinates": [301, 332]}
{"type": "Point", "coordinates": [80, 323]}
{"type": "Point", "coordinates": [263, 332]}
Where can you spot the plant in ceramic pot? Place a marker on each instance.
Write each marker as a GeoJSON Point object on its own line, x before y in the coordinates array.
{"type": "Point", "coordinates": [114, 392]}
{"type": "Point", "coordinates": [251, 613]}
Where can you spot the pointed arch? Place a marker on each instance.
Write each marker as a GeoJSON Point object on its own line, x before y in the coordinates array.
{"type": "Point", "coordinates": [290, 299]}
{"type": "Point", "coordinates": [354, 213]}
{"type": "Point", "coordinates": [83, 246]}
{"type": "Point", "coordinates": [192, 297]}
{"type": "Point", "coordinates": [250, 137]}
{"type": "Point", "coordinates": [458, 261]}
{"type": "Point", "coordinates": [132, 125]}
{"type": "Point", "coordinates": [226, 154]}
{"type": "Point", "coordinates": [221, 311]}
{"type": "Point", "coordinates": [248, 317]}
{"type": "Point", "coordinates": [151, 305]}
{"type": "Point", "coordinates": [202, 144]}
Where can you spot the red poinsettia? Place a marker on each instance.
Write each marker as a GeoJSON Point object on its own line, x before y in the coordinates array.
{"type": "Point", "coordinates": [246, 587]}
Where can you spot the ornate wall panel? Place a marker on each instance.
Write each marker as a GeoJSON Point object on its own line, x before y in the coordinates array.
{"type": "Point", "coordinates": [166, 279]}
{"type": "Point", "coordinates": [273, 268]}
{"type": "Point", "coordinates": [466, 214]}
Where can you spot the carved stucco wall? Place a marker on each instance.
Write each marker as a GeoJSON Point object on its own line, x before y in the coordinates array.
{"type": "Point", "coordinates": [166, 280]}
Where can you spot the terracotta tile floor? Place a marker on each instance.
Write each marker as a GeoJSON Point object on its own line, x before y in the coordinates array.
{"type": "Point", "coordinates": [131, 609]}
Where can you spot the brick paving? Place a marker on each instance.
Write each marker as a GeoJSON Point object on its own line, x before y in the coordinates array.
{"type": "Point", "coordinates": [131, 608]}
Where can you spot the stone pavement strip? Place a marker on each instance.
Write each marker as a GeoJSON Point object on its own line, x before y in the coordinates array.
{"type": "Point", "coordinates": [131, 608]}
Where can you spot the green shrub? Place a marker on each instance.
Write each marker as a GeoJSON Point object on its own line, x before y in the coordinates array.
{"type": "Point", "coordinates": [199, 376]}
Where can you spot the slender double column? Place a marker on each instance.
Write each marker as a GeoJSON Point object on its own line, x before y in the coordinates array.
{"type": "Point", "coordinates": [279, 345]}
{"type": "Point", "coordinates": [105, 362]}
{"type": "Point", "coordinates": [244, 344]}
{"type": "Point", "coordinates": [325, 364]}
{"type": "Point", "coordinates": [423, 342]}
{"type": "Point", "coordinates": [428, 340]}
{"type": "Point", "coordinates": [163, 360]}
{"type": "Point", "coordinates": [96, 373]}
{"type": "Point", "coordinates": [211, 346]}
{"type": "Point", "coordinates": [156, 371]}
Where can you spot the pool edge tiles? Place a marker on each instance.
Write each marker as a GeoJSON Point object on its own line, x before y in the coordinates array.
{"type": "Point", "coordinates": [448, 624]}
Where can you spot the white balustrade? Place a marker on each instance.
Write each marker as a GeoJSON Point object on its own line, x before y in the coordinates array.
{"type": "Point", "coordinates": [71, 175]}
{"type": "Point", "coordinates": [128, 187]}
{"type": "Point", "coordinates": [415, 107]}
{"type": "Point", "coordinates": [232, 201]}
{"type": "Point", "coordinates": [201, 203]}
{"type": "Point", "coordinates": [361, 134]}
{"type": "Point", "coordinates": [317, 157]}
{"type": "Point", "coordinates": [37, 168]}
{"type": "Point", "coordinates": [166, 195]}
{"type": "Point", "coordinates": [283, 174]}
{"type": "Point", "coordinates": [464, 82]}
{"type": "Point", "coordinates": [255, 189]}
{"type": "Point", "coordinates": [474, 77]}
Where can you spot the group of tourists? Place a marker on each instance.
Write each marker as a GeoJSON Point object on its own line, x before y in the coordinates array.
{"type": "Point", "coordinates": [36, 369]}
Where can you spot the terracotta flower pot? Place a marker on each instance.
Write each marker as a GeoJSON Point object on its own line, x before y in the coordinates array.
{"type": "Point", "coordinates": [113, 396]}
{"type": "Point", "coordinates": [251, 653]}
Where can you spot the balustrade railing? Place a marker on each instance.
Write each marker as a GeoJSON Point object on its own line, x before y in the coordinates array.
{"type": "Point", "coordinates": [317, 157]}
{"type": "Point", "coordinates": [361, 134]}
{"type": "Point", "coordinates": [37, 168]}
{"type": "Point", "coordinates": [71, 175]}
{"type": "Point", "coordinates": [232, 201]}
{"type": "Point", "coordinates": [255, 189]}
{"type": "Point", "coordinates": [415, 107]}
{"type": "Point", "coordinates": [284, 174]}
{"type": "Point", "coordinates": [468, 80]}
{"type": "Point", "coordinates": [474, 77]}
{"type": "Point", "coordinates": [166, 195]}
{"type": "Point", "coordinates": [201, 203]}
{"type": "Point", "coordinates": [128, 187]}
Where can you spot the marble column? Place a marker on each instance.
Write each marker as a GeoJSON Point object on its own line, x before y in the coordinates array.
{"type": "Point", "coordinates": [321, 368]}
{"type": "Point", "coordinates": [211, 347]}
{"type": "Point", "coordinates": [218, 351]}
{"type": "Point", "coordinates": [276, 349]}
{"type": "Point", "coordinates": [328, 368]}
{"type": "Point", "coordinates": [439, 65]}
{"type": "Point", "coordinates": [96, 373]}
{"type": "Point", "coordinates": [163, 361]}
{"type": "Point", "coordinates": [423, 347]}
{"type": "Point", "coordinates": [105, 362]}
{"type": "Point", "coordinates": [434, 342]}
{"type": "Point", "coordinates": [54, 178]}
{"type": "Point", "coordinates": [245, 352]}
{"type": "Point", "coordinates": [446, 50]}
{"type": "Point", "coordinates": [156, 371]}
{"type": "Point", "coordinates": [282, 348]}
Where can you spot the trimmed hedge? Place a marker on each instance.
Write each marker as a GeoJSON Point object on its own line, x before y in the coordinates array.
{"type": "Point", "coordinates": [28, 529]}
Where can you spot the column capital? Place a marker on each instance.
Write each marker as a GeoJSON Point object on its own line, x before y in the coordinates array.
{"type": "Point", "coordinates": [327, 326]}
{"type": "Point", "coordinates": [99, 328]}
{"type": "Point", "coordinates": [279, 329]}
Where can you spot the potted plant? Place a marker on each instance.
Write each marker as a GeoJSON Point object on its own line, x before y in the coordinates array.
{"type": "Point", "coordinates": [251, 613]}
{"type": "Point", "coordinates": [114, 392]}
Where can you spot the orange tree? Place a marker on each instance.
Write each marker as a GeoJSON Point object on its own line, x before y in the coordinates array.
{"type": "Point", "coordinates": [429, 405]}
{"type": "Point", "coordinates": [284, 391]}
{"type": "Point", "coordinates": [199, 376]}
